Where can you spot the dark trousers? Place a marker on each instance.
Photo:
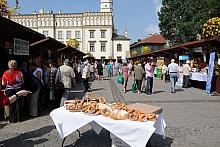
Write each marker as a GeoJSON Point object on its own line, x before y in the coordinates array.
{"type": "Point", "coordinates": [139, 83]}
{"type": "Point", "coordinates": [86, 84]}
{"type": "Point", "coordinates": [149, 85]}
{"type": "Point", "coordinates": [185, 81]}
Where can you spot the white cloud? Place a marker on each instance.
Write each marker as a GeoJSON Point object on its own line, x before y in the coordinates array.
{"type": "Point", "coordinates": [152, 29]}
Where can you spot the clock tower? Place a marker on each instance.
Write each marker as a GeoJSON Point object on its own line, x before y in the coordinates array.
{"type": "Point", "coordinates": [106, 6]}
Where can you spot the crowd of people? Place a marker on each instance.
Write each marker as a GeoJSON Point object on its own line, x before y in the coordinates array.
{"type": "Point", "coordinates": [41, 87]}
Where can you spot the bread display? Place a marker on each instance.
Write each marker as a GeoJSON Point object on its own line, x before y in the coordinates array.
{"type": "Point", "coordinates": [98, 106]}
{"type": "Point", "coordinates": [118, 114]}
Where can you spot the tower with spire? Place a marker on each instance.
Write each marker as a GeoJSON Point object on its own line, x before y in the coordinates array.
{"type": "Point", "coordinates": [106, 6]}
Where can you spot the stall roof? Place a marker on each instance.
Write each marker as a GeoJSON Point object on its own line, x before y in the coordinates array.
{"type": "Point", "coordinates": [49, 43]}
{"type": "Point", "coordinates": [10, 30]}
{"type": "Point", "coordinates": [184, 46]}
{"type": "Point", "coordinates": [73, 50]}
{"type": "Point", "coordinates": [198, 43]}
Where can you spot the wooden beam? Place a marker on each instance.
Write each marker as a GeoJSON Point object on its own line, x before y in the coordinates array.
{"type": "Point", "coordinates": [39, 42]}
{"type": "Point", "coordinates": [63, 48]}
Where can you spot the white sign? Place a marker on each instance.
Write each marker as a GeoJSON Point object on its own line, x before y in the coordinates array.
{"type": "Point", "coordinates": [197, 49]}
{"type": "Point", "coordinates": [21, 47]}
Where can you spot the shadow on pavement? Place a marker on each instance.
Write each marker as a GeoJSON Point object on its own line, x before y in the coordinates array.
{"type": "Point", "coordinates": [29, 139]}
{"type": "Point", "coordinates": [179, 90]}
{"type": "Point", "coordinates": [97, 89]}
{"type": "Point", "coordinates": [3, 125]}
{"type": "Point", "coordinates": [155, 92]}
{"type": "Point", "coordinates": [91, 139]}
{"type": "Point", "coordinates": [158, 141]}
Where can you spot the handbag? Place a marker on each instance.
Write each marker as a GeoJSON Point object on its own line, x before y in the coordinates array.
{"type": "Point", "coordinates": [134, 87]}
{"type": "Point", "coordinates": [120, 79]}
{"type": "Point", "coordinates": [10, 90]}
{"type": "Point", "coordinates": [59, 85]}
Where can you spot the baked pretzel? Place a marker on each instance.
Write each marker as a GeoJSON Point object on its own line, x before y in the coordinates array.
{"type": "Point", "coordinates": [151, 117]}
{"type": "Point", "coordinates": [142, 117]}
{"type": "Point", "coordinates": [106, 112]}
{"type": "Point", "coordinates": [102, 100]}
{"type": "Point", "coordinates": [133, 117]}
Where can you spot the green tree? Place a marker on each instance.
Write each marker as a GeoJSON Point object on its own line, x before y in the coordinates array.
{"type": "Point", "coordinates": [182, 20]}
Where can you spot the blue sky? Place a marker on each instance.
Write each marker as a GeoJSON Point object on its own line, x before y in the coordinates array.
{"type": "Point", "coordinates": [138, 16]}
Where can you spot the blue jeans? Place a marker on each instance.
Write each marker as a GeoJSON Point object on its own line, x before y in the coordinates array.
{"type": "Point", "coordinates": [149, 85]}
{"type": "Point", "coordinates": [173, 80]}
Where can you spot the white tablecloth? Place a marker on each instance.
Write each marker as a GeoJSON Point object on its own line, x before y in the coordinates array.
{"type": "Point", "coordinates": [134, 133]}
{"type": "Point", "coordinates": [198, 76]}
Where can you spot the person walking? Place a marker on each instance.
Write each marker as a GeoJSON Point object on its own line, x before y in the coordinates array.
{"type": "Point", "coordinates": [91, 68]}
{"type": "Point", "coordinates": [109, 67]}
{"type": "Point", "coordinates": [65, 74]}
{"type": "Point", "coordinates": [149, 71]}
{"type": "Point", "coordinates": [125, 74]}
{"type": "Point", "coordinates": [138, 76]}
{"type": "Point", "coordinates": [99, 70]}
{"type": "Point", "coordinates": [173, 69]}
{"type": "Point", "coordinates": [164, 71]}
{"type": "Point", "coordinates": [53, 72]}
{"type": "Point", "coordinates": [186, 73]}
{"type": "Point", "coordinates": [85, 77]}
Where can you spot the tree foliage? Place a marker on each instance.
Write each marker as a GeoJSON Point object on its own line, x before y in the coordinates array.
{"type": "Point", "coordinates": [145, 50]}
{"type": "Point", "coordinates": [211, 28]}
{"type": "Point", "coordinates": [134, 53]}
{"type": "Point", "coordinates": [182, 20]}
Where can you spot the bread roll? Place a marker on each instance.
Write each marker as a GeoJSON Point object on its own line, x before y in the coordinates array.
{"type": "Point", "coordinates": [118, 114]}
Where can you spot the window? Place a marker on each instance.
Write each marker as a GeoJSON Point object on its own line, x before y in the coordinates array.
{"type": "Point", "coordinates": [119, 47]}
{"type": "Point", "coordinates": [77, 34]}
{"type": "Point", "coordinates": [45, 33]}
{"type": "Point", "coordinates": [60, 35]}
{"type": "Point", "coordinates": [68, 34]}
{"type": "Point", "coordinates": [91, 32]}
{"type": "Point", "coordinates": [103, 59]}
{"type": "Point", "coordinates": [92, 46]}
{"type": "Point", "coordinates": [49, 23]}
{"type": "Point", "coordinates": [103, 33]}
{"type": "Point", "coordinates": [103, 47]}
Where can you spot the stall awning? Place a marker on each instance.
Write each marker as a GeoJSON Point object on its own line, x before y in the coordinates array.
{"type": "Point", "coordinates": [10, 30]}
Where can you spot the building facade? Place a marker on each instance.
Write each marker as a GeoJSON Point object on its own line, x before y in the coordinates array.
{"type": "Point", "coordinates": [93, 30]}
{"type": "Point", "coordinates": [147, 45]}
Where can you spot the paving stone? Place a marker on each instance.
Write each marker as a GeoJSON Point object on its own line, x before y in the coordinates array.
{"type": "Point", "coordinates": [192, 119]}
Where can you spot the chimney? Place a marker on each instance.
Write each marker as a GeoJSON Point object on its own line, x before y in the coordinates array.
{"type": "Point", "coordinates": [41, 11]}
{"type": "Point", "coordinates": [126, 33]}
{"type": "Point", "coordinates": [139, 40]}
{"type": "Point", "coordinates": [59, 12]}
{"type": "Point", "coordinates": [35, 12]}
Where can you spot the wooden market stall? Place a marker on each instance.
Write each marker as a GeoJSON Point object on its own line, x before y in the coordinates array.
{"type": "Point", "coordinates": [71, 53]}
{"type": "Point", "coordinates": [14, 43]}
{"type": "Point", "coordinates": [198, 51]}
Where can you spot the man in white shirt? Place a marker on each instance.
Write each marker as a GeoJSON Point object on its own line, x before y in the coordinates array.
{"type": "Point", "coordinates": [186, 73]}
{"type": "Point", "coordinates": [173, 69]}
{"type": "Point", "coordinates": [65, 75]}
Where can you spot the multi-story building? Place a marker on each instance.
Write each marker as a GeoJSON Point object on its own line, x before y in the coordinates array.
{"type": "Point", "coordinates": [93, 30]}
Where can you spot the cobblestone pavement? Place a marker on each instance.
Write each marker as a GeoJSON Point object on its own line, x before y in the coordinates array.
{"type": "Point", "coordinates": [192, 119]}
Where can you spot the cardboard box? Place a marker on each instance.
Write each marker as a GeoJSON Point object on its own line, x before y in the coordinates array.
{"type": "Point", "coordinates": [146, 108]}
